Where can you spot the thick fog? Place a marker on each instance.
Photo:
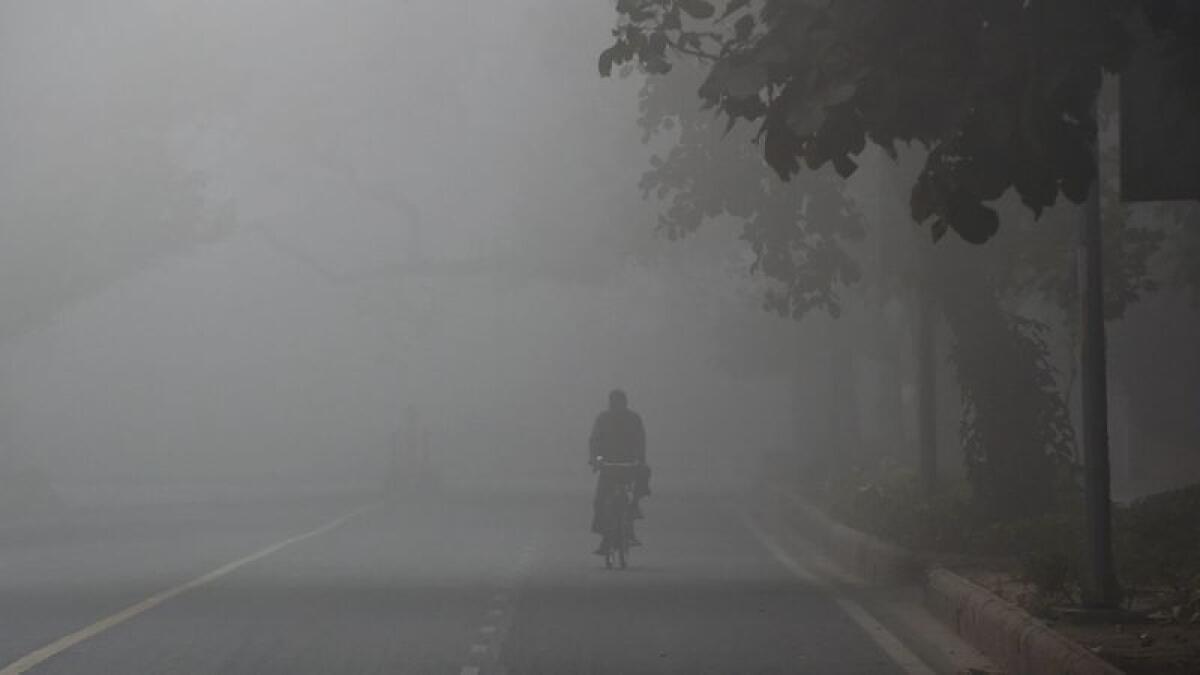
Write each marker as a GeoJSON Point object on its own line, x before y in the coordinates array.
{"type": "Point", "coordinates": [248, 242]}
{"type": "Point", "coordinates": [322, 321]}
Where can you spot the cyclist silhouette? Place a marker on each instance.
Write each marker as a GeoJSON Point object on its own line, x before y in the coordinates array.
{"type": "Point", "coordinates": [618, 435]}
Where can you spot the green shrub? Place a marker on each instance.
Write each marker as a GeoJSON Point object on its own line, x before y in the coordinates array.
{"type": "Point", "coordinates": [1054, 574]}
{"type": "Point", "coordinates": [1158, 542]}
{"type": "Point", "coordinates": [889, 501]}
{"type": "Point", "coordinates": [1157, 539]}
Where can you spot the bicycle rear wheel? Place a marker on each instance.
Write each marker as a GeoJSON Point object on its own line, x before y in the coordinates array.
{"type": "Point", "coordinates": [623, 540]}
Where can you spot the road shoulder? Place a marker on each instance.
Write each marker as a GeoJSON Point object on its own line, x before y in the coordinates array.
{"type": "Point", "coordinates": [897, 608]}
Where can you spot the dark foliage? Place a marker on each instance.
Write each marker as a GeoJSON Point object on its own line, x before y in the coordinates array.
{"type": "Point", "coordinates": [1158, 542]}
{"type": "Point", "coordinates": [799, 233]}
{"type": "Point", "coordinates": [1018, 441]}
{"type": "Point", "coordinates": [1002, 92]}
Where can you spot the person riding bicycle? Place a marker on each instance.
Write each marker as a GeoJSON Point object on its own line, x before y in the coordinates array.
{"type": "Point", "coordinates": [618, 435]}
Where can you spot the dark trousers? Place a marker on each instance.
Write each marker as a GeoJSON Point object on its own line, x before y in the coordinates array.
{"type": "Point", "coordinates": [607, 481]}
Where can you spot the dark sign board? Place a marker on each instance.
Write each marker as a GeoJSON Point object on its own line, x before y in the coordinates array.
{"type": "Point", "coordinates": [1160, 116]}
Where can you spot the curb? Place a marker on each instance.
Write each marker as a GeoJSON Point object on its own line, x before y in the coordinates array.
{"type": "Point", "coordinates": [1005, 632]}
{"type": "Point", "coordinates": [1016, 640]}
{"type": "Point", "coordinates": [869, 557]}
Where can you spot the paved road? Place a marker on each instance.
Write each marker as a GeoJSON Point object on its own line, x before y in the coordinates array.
{"type": "Point", "coordinates": [457, 585]}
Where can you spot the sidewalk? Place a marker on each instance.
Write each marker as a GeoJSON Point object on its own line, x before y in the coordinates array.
{"type": "Point", "coordinates": [1013, 640]}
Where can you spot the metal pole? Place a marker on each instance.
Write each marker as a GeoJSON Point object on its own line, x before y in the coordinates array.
{"type": "Point", "coordinates": [1100, 590]}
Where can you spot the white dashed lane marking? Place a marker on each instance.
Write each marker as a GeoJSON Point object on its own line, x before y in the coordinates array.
{"type": "Point", "coordinates": [498, 616]}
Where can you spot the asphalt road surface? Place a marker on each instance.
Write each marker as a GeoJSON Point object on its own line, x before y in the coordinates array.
{"type": "Point", "coordinates": [456, 584]}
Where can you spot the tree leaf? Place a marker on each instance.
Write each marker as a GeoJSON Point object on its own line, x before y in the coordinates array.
{"type": "Point", "coordinates": [781, 148]}
{"type": "Point", "coordinates": [672, 20]}
{"type": "Point", "coordinates": [656, 46]}
{"type": "Point", "coordinates": [844, 166]}
{"type": "Point", "coordinates": [733, 77]}
{"type": "Point", "coordinates": [744, 27]}
{"type": "Point", "coordinates": [938, 230]}
{"type": "Point", "coordinates": [699, 9]}
{"type": "Point", "coordinates": [733, 6]}
{"type": "Point", "coordinates": [607, 59]}
{"type": "Point", "coordinates": [973, 221]}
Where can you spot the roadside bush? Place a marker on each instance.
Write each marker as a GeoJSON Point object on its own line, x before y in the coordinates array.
{"type": "Point", "coordinates": [1158, 544]}
{"type": "Point", "coordinates": [888, 501]}
{"type": "Point", "coordinates": [1046, 550]}
{"type": "Point", "coordinates": [1054, 575]}
{"type": "Point", "coordinates": [1156, 539]}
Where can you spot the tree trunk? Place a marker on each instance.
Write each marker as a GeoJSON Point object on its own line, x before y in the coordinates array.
{"type": "Point", "coordinates": [925, 339]}
{"type": "Point", "coordinates": [892, 427]}
{"type": "Point", "coordinates": [804, 447]}
{"type": "Point", "coordinates": [844, 413]}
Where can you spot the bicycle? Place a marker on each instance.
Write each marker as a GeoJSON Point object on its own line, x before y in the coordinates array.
{"type": "Point", "coordinates": [617, 511]}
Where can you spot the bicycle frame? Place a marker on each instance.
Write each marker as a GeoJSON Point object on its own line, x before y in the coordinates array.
{"type": "Point", "coordinates": [618, 512]}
